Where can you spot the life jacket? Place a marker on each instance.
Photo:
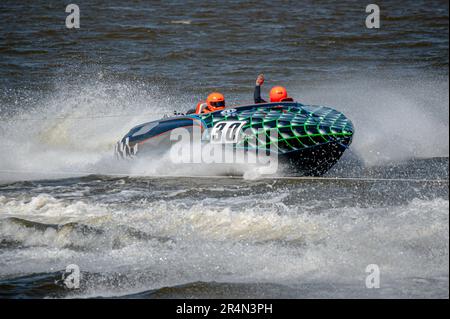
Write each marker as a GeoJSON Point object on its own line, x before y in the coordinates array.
{"type": "Point", "coordinates": [201, 107]}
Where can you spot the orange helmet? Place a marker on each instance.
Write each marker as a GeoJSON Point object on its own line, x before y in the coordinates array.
{"type": "Point", "coordinates": [215, 101]}
{"type": "Point", "coordinates": [278, 94]}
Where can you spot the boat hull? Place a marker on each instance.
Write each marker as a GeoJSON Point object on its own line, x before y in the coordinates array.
{"type": "Point", "coordinates": [307, 139]}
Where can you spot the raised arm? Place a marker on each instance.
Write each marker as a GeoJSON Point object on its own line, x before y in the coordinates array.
{"type": "Point", "coordinates": [257, 92]}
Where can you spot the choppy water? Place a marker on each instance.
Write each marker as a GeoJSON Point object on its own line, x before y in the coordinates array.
{"type": "Point", "coordinates": [67, 95]}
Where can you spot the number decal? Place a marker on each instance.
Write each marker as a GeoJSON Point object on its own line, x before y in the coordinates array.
{"type": "Point", "coordinates": [226, 132]}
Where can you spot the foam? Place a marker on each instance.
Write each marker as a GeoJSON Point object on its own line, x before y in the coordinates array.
{"type": "Point", "coordinates": [173, 243]}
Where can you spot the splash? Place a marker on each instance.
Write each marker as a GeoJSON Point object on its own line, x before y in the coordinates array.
{"type": "Point", "coordinates": [394, 120]}
{"type": "Point", "coordinates": [72, 130]}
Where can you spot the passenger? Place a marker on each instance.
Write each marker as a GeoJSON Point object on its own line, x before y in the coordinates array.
{"type": "Point", "coordinates": [277, 93]}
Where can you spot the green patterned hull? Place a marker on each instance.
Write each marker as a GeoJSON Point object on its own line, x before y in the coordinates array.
{"type": "Point", "coordinates": [310, 139]}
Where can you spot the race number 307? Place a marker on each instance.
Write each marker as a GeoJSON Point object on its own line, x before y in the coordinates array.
{"type": "Point", "coordinates": [226, 132]}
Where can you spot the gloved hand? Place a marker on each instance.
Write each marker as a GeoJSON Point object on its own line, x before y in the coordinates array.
{"type": "Point", "coordinates": [260, 79]}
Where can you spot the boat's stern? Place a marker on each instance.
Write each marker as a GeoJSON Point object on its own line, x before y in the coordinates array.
{"type": "Point", "coordinates": [153, 136]}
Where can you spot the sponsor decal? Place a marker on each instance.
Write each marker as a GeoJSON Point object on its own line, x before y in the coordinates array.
{"type": "Point", "coordinates": [228, 112]}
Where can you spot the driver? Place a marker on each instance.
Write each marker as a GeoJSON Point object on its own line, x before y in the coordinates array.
{"type": "Point", "coordinates": [214, 102]}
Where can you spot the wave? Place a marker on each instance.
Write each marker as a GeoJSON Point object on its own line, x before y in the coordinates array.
{"type": "Point", "coordinates": [172, 243]}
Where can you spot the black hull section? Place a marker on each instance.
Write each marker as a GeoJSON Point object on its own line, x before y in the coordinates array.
{"type": "Point", "coordinates": [314, 161]}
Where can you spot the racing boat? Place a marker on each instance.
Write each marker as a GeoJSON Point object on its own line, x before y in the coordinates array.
{"type": "Point", "coordinates": [310, 139]}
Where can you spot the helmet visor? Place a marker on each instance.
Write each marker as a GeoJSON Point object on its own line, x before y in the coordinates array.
{"type": "Point", "coordinates": [217, 104]}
